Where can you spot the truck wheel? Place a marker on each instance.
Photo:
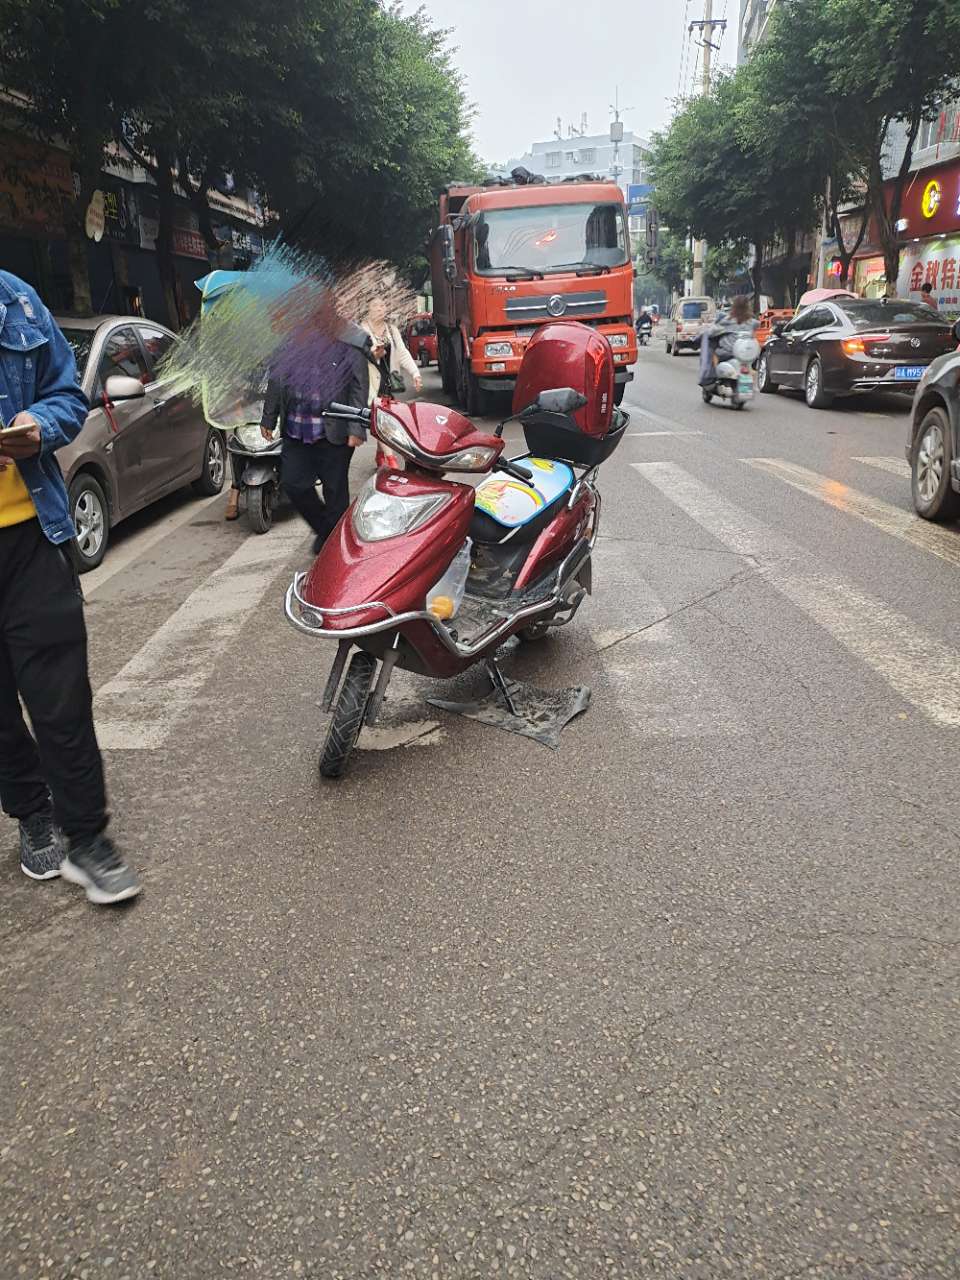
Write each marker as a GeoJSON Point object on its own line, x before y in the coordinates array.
{"type": "Point", "coordinates": [447, 366]}
{"type": "Point", "coordinates": [348, 716]}
{"type": "Point", "coordinates": [619, 391]}
{"type": "Point", "coordinates": [473, 398]}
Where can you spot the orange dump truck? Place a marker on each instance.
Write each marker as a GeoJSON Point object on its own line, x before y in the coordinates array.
{"type": "Point", "coordinates": [506, 259]}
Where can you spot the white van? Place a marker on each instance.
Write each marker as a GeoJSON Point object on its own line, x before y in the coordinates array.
{"type": "Point", "coordinates": [687, 320]}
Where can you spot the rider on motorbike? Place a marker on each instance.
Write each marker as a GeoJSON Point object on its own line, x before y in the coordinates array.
{"type": "Point", "coordinates": [736, 322]}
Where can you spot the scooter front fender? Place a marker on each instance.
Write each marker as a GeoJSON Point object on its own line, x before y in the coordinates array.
{"type": "Point", "coordinates": [350, 574]}
{"type": "Point", "coordinates": [257, 474]}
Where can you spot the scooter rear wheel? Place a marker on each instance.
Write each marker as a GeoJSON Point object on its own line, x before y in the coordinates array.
{"type": "Point", "coordinates": [348, 716]}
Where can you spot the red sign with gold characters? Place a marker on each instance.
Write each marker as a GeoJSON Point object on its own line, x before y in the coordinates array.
{"type": "Point", "coordinates": [931, 202]}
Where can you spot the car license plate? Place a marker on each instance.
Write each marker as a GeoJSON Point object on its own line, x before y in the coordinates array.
{"type": "Point", "coordinates": [909, 372]}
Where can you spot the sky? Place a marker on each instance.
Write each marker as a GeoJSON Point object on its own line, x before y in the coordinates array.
{"type": "Point", "coordinates": [526, 62]}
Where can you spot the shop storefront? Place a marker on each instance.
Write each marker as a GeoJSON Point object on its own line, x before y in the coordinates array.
{"type": "Point", "coordinates": [931, 228]}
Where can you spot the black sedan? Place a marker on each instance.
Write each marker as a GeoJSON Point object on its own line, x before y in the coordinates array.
{"type": "Point", "coordinates": [933, 447]}
{"type": "Point", "coordinates": [849, 345]}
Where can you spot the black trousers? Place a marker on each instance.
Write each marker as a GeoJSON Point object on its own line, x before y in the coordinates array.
{"type": "Point", "coordinates": [301, 466]}
{"type": "Point", "coordinates": [43, 658]}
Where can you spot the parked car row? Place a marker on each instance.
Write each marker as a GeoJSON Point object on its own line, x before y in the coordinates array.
{"type": "Point", "coordinates": [140, 441]}
{"type": "Point", "coordinates": [933, 445]}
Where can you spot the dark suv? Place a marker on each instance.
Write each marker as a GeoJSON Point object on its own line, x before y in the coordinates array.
{"type": "Point", "coordinates": [933, 448]}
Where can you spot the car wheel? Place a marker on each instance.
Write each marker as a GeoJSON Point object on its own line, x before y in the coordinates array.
{"type": "Point", "coordinates": [674, 349]}
{"type": "Point", "coordinates": [91, 515]}
{"type": "Point", "coordinates": [813, 391]}
{"type": "Point", "coordinates": [667, 346]}
{"type": "Point", "coordinates": [211, 478]}
{"type": "Point", "coordinates": [933, 496]}
{"type": "Point", "coordinates": [765, 383]}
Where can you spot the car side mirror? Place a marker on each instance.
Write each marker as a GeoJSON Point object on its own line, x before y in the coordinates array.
{"type": "Point", "coordinates": [119, 387]}
{"type": "Point", "coordinates": [778, 328]}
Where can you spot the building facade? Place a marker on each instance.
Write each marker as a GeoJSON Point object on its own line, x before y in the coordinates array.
{"type": "Point", "coordinates": [37, 186]}
{"type": "Point", "coordinates": [626, 162]}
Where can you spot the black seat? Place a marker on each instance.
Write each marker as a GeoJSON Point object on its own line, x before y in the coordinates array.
{"type": "Point", "coordinates": [487, 531]}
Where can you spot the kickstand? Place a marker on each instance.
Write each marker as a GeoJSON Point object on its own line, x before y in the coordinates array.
{"type": "Point", "coordinates": [500, 685]}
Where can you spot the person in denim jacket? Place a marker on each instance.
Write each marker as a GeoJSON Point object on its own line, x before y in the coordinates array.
{"type": "Point", "coordinates": [51, 781]}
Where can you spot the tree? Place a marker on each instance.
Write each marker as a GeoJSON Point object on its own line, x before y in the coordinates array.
{"type": "Point", "coordinates": [718, 178]}
{"type": "Point", "coordinates": [815, 134]}
{"type": "Point", "coordinates": [674, 261]}
{"type": "Point", "coordinates": [722, 263]}
{"type": "Point", "coordinates": [893, 60]}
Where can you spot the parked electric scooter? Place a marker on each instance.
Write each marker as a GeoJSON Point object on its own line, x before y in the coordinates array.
{"type": "Point", "coordinates": [731, 378]}
{"type": "Point", "coordinates": [258, 464]}
{"type": "Point", "coordinates": [432, 575]}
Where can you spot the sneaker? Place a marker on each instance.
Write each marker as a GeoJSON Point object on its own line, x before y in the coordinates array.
{"type": "Point", "coordinates": [96, 866]}
{"type": "Point", "coordinates": [41, 846]}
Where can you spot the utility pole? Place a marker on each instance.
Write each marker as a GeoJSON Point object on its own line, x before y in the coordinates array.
{"type": "Point", "coordinates": [706, 26]}
{"type": "Point", "coordinates": [616, 135]}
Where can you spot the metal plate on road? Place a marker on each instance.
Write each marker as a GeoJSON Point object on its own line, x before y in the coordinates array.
{"type": "Point", "coordinates": [909, 372]}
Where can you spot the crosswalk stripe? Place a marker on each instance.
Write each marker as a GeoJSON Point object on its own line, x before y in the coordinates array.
{"type": "Point", "coordinates": [882, 515]}
{"type": "Point", "coordinates": [141, 705]}
{"type": "Point", "coordinates": [140, 543]}
{"type": "Point", "coordinates": [911, 660]}
{"type": "Point", "coordinates": [663, 688]}
{"type": "Point", "coordinates": [896, 466]}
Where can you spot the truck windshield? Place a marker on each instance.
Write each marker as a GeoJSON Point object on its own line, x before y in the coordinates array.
{"type": "Point", "coordinates": [551, 237]}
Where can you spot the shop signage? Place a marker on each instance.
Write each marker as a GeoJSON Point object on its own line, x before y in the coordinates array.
{"type": "Point", "coordinates": [35, 184]}
{"type": "Point", "coordinates": [934, 262]}
{"type": "Point", "coordinates": [95, 221]}
{"type": "Point", "coordinates": [931, 202]}
{"type": "Point", "coordinates": [186, 242]}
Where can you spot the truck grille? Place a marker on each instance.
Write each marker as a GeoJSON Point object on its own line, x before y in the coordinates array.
{"type": "Point", "coordinates": [557, 306]}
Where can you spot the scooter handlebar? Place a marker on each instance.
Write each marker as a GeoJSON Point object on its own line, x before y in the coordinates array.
{"type": "Point", "coordinates": [348, 411]}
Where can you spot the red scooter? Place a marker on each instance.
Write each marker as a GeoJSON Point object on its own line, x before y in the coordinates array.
{"type": "Point", "coordinates": [433, 575]}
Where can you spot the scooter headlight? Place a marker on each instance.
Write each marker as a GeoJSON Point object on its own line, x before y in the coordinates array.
{"type": "Point", "coordinates": [378, 516]}
{"type": "Point", "coordinates": [250, 439]}
{"type": "Point", "coordinates": [476, 459]}
{"type": "Point", "coordinates": [392, 432]}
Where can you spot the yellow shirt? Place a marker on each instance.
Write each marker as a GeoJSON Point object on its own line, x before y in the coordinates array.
{"type": "Point", "coordinates": [16, 505]}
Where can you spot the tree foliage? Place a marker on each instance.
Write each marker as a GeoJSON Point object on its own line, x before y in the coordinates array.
{"type": "Point", "coordinates": [806, 125]}
{"type": "Point", "coordinates": [347, 115]}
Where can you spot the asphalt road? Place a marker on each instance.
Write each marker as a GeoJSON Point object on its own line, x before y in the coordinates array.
{"type": "Point", "coordinates": [678, 1000]}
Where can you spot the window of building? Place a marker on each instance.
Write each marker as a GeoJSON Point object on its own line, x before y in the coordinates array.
{"type": "Point", "coordinates": [553, 160]}
{"type": "Point", "coordinates": [588, 155]}
{"type": "Point", "coordinates": [943, 128]}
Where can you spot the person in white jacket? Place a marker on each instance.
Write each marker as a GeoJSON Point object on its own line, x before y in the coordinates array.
{"type": "Point", "coordinates": [389, 348]}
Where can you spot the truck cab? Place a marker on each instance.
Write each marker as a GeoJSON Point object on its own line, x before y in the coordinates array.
{"type": "Point", "coordinates": [509, 258]}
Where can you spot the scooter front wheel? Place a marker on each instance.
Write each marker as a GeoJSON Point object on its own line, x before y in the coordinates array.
{"type": "Point", "coordinates": [260, 507]}
{"type": "Point", "coordinates": [348, 716]}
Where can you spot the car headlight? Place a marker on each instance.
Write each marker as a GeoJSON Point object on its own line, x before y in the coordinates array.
{"type": "Point", "coordinates": [618, 340]}
{"type": "Point", "coordinates": [392, 431]}
{"type": "Point", "coordinates": [498, 349]}
{"type": "Point", "coordinates": [378, 516]}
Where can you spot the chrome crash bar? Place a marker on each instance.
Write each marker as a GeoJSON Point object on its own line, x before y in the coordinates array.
{"type": "Point", "coordinates": [310, 620]}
